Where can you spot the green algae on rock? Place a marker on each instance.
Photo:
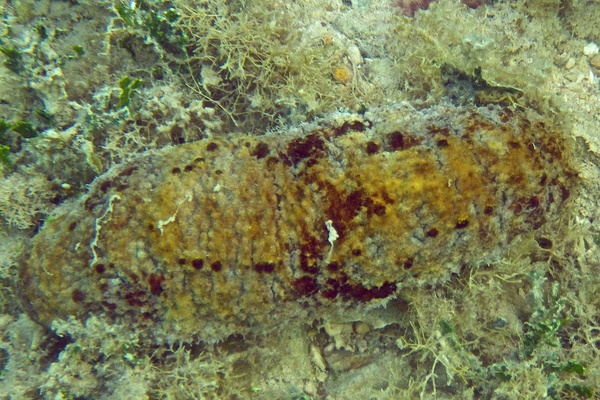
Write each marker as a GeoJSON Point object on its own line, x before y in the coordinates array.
{"type": "Point", "coordinates": [226, 235]}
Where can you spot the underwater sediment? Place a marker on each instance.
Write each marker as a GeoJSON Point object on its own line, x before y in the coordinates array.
{"type": "Point", "coordinates": [227, 235]}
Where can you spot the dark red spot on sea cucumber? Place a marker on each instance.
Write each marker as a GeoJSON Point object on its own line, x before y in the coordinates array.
{"type": "Point", "coordinates": [461, 223]}
{"type": "Point", "coordinates": [488, 210]}
{"type": "Point", "coordinates": [347, 126]}
{"type": "Point", "coordinates": [100, 268]}
{"type": "Point", "coordinates": [197, 263]}
{"type": "Point", "coordinates": [437, 130]}
{"type": "Point", "coordinates": [264, 267]}
{"type": "Point", "coordinates": [128, 171]}
{"type": "Point", "coordinates": [306, 286]}
{"type": "Point", "coordinates": [396, 140]}
{"type": "Point", "coordinates": [564, 192]}
{"type": "Point", "coordinates": [307, 264]}
{"type": "Point", "coordinates": [217, 266]}
{"type": "Point", "coordinates": [212, 146]}
{"type": "Point", "coordinates": [134, 277]}
{"type": "Point", "coordinates": [361, 293]}
{"type": "Point", "coordinates": [311, 162]}
{"type": "Point", "coordinates": [533, 202]}
{"type": "Point", "coordinates": [301, 148]}
{"type": "Point", "coordinates": [272, 161]}
{"type": "Point", "coordinates": [401, 141]}
{"type": "Point", "coordinates": [310, 253]}
{"type": "Point", "coordinates": [77, 295]}
{"type": "Point", "coordinates": [372, 148]}
{"type": "Point", "coordinates": [104, 186]}
{"type": "Point", "coordinates": [135, 299]}
{"type": "Point", "coordinates": [354, 291]}
{"type": "Point", "coordinates": [342, 210]}
{"type": "Point", "coordinates": [176, 170]}
{"type": "Point", "coordinates": [109, 306]}
{"type": "Point", "coordinates": [332, 289]}
{"type": "Point", "coordinates": [260, 151]}
{"type": "Point", "coordinates": [544, 243]}
{"type": "Point", "coordinates": [432, 233]}
{"type": "Point", "coordinates": [188, 168]}
{"type": "Point", "coordinates": [379, 210]}
{"type": "Point", "coordinates": [383, 291]}
{"type": "Point", "coordinates": [334, 267]}
{"type": "Point", "coordinates": [181, 261]}
{"type": "Point", "coordinates": [155, 281]}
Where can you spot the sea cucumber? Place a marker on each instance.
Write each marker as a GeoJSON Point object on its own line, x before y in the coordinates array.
{"type": "Point", "coordinates": [235, 233]}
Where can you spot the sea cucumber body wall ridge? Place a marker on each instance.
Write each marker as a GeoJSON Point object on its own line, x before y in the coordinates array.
{"type": "Point", "coordinates": [220, 235]}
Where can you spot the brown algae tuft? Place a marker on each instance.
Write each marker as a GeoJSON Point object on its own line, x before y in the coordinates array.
{"type": "Point", "coordinates": [232, 235]}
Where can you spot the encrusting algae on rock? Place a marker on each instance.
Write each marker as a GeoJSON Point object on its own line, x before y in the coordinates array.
{"type": "Point", "coordinates": [227, 235]}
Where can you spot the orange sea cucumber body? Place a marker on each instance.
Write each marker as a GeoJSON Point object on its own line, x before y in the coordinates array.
{"type": "Point", "coordinates": [224, 234]}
